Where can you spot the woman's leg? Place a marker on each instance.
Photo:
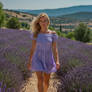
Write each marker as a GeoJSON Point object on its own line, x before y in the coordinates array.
{"type": "Point", "coordinates": [40, 81]}
{"type": "Point", "coordinates": [46, 78]}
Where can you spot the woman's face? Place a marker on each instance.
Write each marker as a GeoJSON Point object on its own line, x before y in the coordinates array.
{"type": "Point", "coordinates": [43, 21]}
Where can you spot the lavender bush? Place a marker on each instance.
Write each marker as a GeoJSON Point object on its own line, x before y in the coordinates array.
{"type": "Point", "coordinates": [76, 66]}
{"type": "Point", "coordinates": [3, 88]}
{"type": "Point", "coordinates": [10, 75]}
{"type": "Point", "coordinates": [17, 50]}
{"type": "Point", "coordinates": [73, 54]}
{"type": "Point", "coordinates": [78, 80]}
{"type": "Point", "coordinates": [14, 53]}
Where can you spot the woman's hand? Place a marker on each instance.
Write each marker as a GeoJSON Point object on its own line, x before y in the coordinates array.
{"type": "Point", "coordinates": [57, 65]}
{"type": "Point", "coordinates": [29, 65]}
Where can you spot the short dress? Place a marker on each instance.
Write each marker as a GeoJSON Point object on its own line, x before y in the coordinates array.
{"type": "Point", "coordinates": [43, 59]}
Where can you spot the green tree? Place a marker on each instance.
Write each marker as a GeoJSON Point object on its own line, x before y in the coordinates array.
{"type": "Point", "coordinates": [51, 28]}
{"type": "Point", "coordinates": [13, 23]}
{"type": "Point", "coordinates": [25, 25]}
{"type": "Point", "coordinates": [60, 28]}
{"type": "Point", "coordinates": [2, 15]}
{"type": "Point", "coordinates": [70, 35]}
{"type": "Point", "coordinates": [82, 33]}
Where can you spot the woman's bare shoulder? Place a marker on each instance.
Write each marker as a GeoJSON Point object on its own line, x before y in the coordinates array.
{"type": "Point", "coordinates": [52, 32]}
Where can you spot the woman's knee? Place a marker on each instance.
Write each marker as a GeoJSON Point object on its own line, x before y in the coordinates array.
{"type": "Point", "coordinates": [46, 78]}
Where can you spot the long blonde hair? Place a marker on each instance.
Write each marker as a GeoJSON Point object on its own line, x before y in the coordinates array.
{"type": "Point", "coordinates": [35, 26]}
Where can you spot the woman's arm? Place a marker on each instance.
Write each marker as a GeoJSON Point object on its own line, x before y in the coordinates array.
{"type": "Point", "coordinates": [54, 47]}
{"type": "Point", "coordinates": [55, 52]}
{"type": "Point", "coordinates": [32, 50]}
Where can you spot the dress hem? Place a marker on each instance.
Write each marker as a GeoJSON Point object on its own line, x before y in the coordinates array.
{"type": "Point", "coordinates": [34, 70]}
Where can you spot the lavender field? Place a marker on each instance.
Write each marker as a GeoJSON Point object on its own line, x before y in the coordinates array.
{"type": "Point", "coordinates": [75, 59]}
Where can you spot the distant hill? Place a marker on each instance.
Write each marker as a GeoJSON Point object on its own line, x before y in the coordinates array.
{"type": "Point", "coordinates": [59, 11]}
{"type": "Point", "coordinates": [78, 16]}
{"type": "Point", "coordinates": [18, 14]}
{"type": "Point", "coordinates": [23, 17]}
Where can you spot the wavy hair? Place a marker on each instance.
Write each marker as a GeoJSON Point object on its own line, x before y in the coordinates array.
{"type": "Point", "coordinates": [35, 26]}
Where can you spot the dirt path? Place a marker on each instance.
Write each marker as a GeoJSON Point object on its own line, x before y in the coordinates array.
{"type": "Point", "coordinates": [31, 83]}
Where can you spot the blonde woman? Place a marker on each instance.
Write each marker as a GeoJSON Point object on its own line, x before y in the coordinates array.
{"type": "Point", "coordinates": [43, 51]}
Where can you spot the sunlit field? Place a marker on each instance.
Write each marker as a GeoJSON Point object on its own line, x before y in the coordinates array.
{"type": "Point", "coordinates": [75, 59]}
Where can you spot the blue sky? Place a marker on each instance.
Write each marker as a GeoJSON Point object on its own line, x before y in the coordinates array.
{"type": "Point", "coordinates": [42, 4]}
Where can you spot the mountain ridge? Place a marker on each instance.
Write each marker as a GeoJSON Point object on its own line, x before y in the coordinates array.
{"type": "Point", "coordinates": [59, 11]}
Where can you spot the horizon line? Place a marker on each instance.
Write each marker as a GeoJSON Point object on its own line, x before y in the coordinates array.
{"type": "Point", "coordinates": [47, 8]}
